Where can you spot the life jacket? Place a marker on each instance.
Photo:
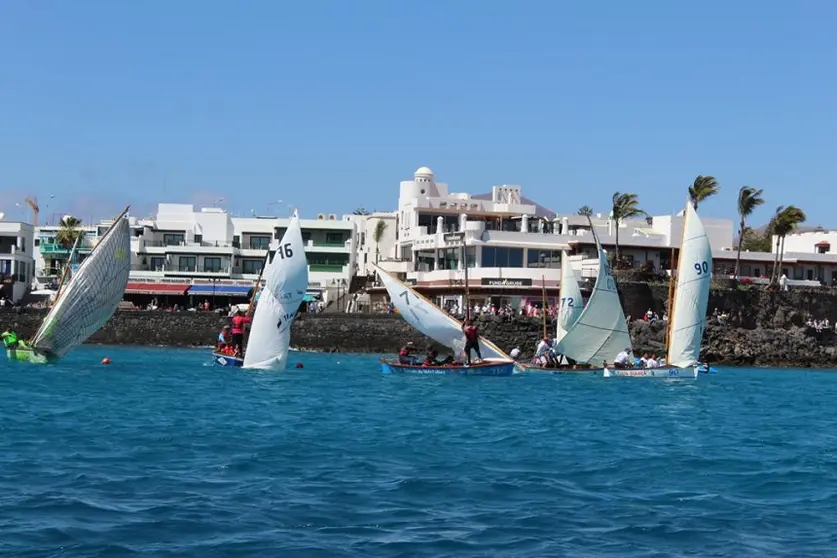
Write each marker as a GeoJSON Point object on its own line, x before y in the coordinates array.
{"type": "Point", "coordinates": [404, 352]}
{"type": "Point", "coordinates": [471, 333]}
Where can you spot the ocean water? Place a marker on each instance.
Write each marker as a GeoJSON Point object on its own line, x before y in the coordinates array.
{"type": "Point", "coordinates": [159, 454]}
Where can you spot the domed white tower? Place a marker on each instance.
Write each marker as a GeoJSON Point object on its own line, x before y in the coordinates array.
{"type": "Point", "coordinates": [423, 185]}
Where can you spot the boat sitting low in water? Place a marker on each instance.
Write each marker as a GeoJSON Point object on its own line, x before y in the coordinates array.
{"type": "Point", "coordinates": [484, 368]}
{"type": "Point", "coordinates": [222, 359]}
{"type": "Point", "coordinates": [523, 368]}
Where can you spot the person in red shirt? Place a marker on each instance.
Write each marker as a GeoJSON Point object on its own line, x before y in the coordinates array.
{"type": "Point", "coordinates": [238, 323]}
{"type": "Point", "coordinates": [472, 340]}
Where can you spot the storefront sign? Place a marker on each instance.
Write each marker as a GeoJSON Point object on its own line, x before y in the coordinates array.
{"type": "Point", "coordinates": [506, 282]}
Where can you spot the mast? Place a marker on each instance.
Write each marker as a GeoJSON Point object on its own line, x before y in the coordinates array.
{"type": "Point", "coordinates": [67, 268]}
{"type": "Point", "coordinates": [543, 311]}
{"type": "Point", "coordinates": [467, 291]}
{"type": "Point", "coordinates": [672, 285]}
{"type": "Point", "coordinates": [252, 304]}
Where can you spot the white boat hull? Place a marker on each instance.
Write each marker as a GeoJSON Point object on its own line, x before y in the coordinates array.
{"type": "Point", "coordinates": [670, 372]}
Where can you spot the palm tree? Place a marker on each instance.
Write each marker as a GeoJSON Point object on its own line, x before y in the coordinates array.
{"type": "Point", "coordinates": [360, 211]}
{"type": "Point", "coordinates": [585, 210]}
{"type": "Point", "coordinates": [749, 199]}
{"type": "Point", "coordinates": [68, 232]}
{"type": "Point", "coordinates": [625, 206]}
{"type": "Point", "coordinates": [702, 188]}
{"type": "Point", "coordinates": [378, 235]}
{"type": "Point", "coordinates": [784, 222]}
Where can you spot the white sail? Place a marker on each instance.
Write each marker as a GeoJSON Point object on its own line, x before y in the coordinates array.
{"type": "Point", "coordinates": [286, 280]}
{"type": "Point", "coordinates": [601, 331]}
{"type": "Point", "coordinates": [92, 294]}
{"type": "Point", "coordinates": [571, 304]}
{"type": "Point", "coordinates": [429, 319]}
{"type": "Point", "coordinates": [691, 297]}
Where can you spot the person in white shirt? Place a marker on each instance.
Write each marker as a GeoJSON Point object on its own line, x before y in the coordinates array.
{"type": "Point", "coordinates": [515, 353]}
{"type": "Point", "coordinates": [623, 359]}
{"type": "Point", "coordinates": [541, 351]}
{"type": "Point", "coordinates": [652, 362]}
{"type": "Point", "coordinates": [643, 361]}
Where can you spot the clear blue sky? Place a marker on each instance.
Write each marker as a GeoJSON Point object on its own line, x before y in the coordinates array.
{"type": "Point", "coordinates": [328, 105]}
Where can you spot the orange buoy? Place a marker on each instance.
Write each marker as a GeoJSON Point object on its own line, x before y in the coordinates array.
{"type": "Point", "coordinates": [106, 360]}
{"type": "Point", "coordinates": [299, 365]}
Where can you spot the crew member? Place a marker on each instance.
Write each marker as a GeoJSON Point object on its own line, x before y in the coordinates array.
{"type": "Point", "coordinates": [623, 359]}
{"type": "Point", "coordinates": [238, 323]}
{"type": "Point", "coordinates": [431, 359]}
{"type": "Point", "coordinates": [405, 354]}
{"type": "Point", "coordinates": [224, 338]}
{"type": "Point", "coordinates": [10, 339]}
{"type": "Point", "coordinates": [515, 353]}
{"type": "Point", "coordinates": [472, 340]}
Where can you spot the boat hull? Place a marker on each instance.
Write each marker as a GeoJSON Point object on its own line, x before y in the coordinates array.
{"type": "Point", "coordinates": [21, 354]}
{"type": "Point", "coordinates": [521, 368]}
{"type": "Point", "coordinates": [221, 359]}
{"type": "Point", "coordinates": [670, 372]}
{"type": "Point", "coordinates": [496, 368]}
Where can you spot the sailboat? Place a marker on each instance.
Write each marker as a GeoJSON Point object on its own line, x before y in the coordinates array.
{"type": "Point", "coordinates": [569, 309]}
{"type": "Point", "coordinates": [443, 328]}
{"type": "Point", "coordinates": [86, 298]}
{"type": "Point", "coordinates": [286, 280]}
{"type": "Point", "coordinates": [687, 306]}
{"type": "Point", "coordinates": [601, 331]}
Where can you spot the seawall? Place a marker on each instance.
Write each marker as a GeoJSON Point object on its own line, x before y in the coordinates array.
{"type": "Point", "coordinates": [764, 328]}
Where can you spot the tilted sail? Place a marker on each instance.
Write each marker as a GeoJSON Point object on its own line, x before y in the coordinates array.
{"type": "Point", "coordinates": [431, 320]}
{"type": "Point", "coordinates": [286, 280]}
{"type": "Point", "coordinates": [601, 332]}
{"type": "Point", "coordinates": [91, 296]}
{"type": "Point", "coordinates": [691, 297]}
{"type": "Point", "coordinates": [571, 304]}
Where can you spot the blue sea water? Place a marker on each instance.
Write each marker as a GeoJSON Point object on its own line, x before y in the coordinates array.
{"type": "Point", "coordinates": [159, 454]}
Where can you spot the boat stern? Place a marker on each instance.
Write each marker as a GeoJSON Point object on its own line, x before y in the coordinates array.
{"type": "Point", "coordinates": [221, 359]}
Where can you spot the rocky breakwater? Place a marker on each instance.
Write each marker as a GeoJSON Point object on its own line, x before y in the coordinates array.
{"type": "Point", "coordinates": [763, 328]}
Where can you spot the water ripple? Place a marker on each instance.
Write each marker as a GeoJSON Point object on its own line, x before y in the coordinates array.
{"type": "Point", "coordinates": [160, 455]}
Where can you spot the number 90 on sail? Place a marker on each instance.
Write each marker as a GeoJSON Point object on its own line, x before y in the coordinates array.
{"type": "Point", "coordinates": [702, 268]}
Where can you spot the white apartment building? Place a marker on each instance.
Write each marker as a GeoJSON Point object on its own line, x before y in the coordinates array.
{"type": "Point", "coordinates": [513, 244]}
{"type": "Point", "coordinates": [17, 262]}
{"type": "Point", "coordinates": [377, 234]}
{"type": "Point", "coordinates": [208, 253]}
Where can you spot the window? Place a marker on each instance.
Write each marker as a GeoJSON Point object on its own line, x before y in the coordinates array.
{"type": "Point", "coordinates": [172, 239]}
{"type": "Point", "coordinates": [158, 264]}
{"type": "Point", "coordinates": [236, 241]}
{"type": "Point", "coordinates": [334, 238]}
{"type": "Point", "coordinates": [186, 263]}
{"type": "Point", "coordinates": [306, 238]}
{"type": "Point", "coordinates": [251, 267]}
{"type": "Point", "coordinates": [324, 258]}
{"type": "Point", "coordinates": [502, 257]}
{"type": "Point", "coordinates": [198, 239]}
{"type": "Point", "coordinates": [212, 264]}
{"type": "Point", "coordinates": [543, 258]}
{"type": "Point", "coordinates": [259, 242]}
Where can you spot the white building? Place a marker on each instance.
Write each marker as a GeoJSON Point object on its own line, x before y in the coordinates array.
{"type": "Point", "coordinates": [17, 262]}
{"type": "Point", "coordinates": [513, 244]}
{"type": "Point", "coordinates": [377, 236]}
{"type": "Point", "coordinates": [208, 252]}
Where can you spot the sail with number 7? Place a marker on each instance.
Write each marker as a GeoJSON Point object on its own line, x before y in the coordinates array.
{"type": "Point", "coordinates": [88, 300]}
{"type": "Point", "coordinates": [571, 304]}
{"type": "Point", "coordinates": [286, 281]}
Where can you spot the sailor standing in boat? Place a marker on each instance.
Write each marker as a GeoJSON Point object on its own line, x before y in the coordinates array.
{"type": "Point", "coordinates": [472, 340]}
{"type": "Point", "coordinates": [623, 359]}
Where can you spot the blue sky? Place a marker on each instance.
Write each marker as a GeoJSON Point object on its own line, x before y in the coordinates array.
{"type": "Point", "coordinates": [328, 105]}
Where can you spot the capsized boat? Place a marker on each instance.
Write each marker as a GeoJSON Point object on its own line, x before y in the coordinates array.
{"type": "Point", "coordinates": [443, 328]}
{"type": "Point", "coordinates": [85, 300]}
{"type": "Point", "coordinates": [286, 281]}
{"type": "Point", "coordinates": [687, 316]}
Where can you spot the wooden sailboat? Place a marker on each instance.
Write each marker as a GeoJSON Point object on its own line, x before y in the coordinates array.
{"type": "Point", "coordinates": [687, 307]}
{"type": "Point", "coordinates": [86, 298]}
{"type": "Point", "coordinates": [443, 328]}
{"type": "Point", "coordinates": [286, 281]}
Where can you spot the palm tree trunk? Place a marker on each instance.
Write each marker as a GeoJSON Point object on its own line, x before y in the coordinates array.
{"type": "Point", "coordinates": [773, 275]}
{"type": "Point", "coordinates": [615, 263]}
{"type": "Point", "coordinates": [781, 259]}
{"type": "Point", "coordinates": [738, 257]}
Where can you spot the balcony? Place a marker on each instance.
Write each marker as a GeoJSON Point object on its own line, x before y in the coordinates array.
{"type": "Point", "coordinates": [326, 268]}
{"type": "Point", "coordinates": [183, 269]}
{"type": "Point", "coordinates": [203, 244]}
{"type": "Point", "coordinates": [328, 244]}
{"type": "Point", "coordinates": [58, 249]}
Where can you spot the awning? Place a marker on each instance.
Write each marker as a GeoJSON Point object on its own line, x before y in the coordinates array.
{"type": "Point", "coordinates": [220, 290]}
{"type": "Point", "coordinates": [308, 298]}
{"type": "Point", "coordinates": [135, 287]}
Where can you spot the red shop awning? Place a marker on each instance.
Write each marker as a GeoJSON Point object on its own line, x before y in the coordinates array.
{"type": "Point", "coordinates": [135, 287]}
